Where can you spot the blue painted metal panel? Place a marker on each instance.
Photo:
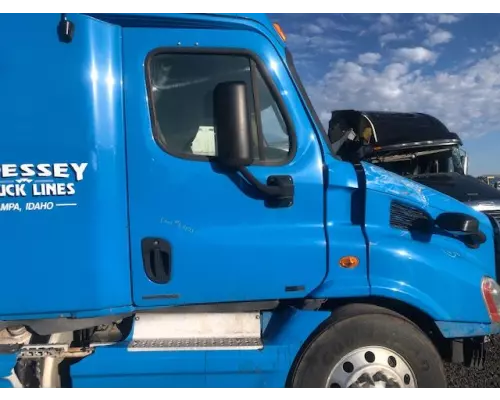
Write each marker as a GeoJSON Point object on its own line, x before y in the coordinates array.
{"type": "Point", "coordinates": [7, 364]}
{"type": "Point", "coordinates": [439, 274]}
{"type": "Point", "coordinates": [284, 335]}
{"type": "Point", "coordinates": [467, 329]}
{"type": "Point", "coordinates": [62, 103]}
{"type": "Point", "coordinates": [344, 237]}
{"type": "Point", "coordinates": [236, 249]}
{"type": "Point", "coordinates": [252, 21]}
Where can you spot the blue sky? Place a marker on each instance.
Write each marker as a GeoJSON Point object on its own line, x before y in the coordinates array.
{"type": "Point", "coordinates": [447, 65]}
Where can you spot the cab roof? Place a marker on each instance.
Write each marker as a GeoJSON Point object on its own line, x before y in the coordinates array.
{"type": "Point", "coordinates": [400, 128]}
{"type": "Point", "coordinates": [141, 19]}
{"type": "Point", "coordinates": [204, 20]}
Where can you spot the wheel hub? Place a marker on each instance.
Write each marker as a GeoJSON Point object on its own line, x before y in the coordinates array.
{"type": "Point", "coordinates": [372, 367]}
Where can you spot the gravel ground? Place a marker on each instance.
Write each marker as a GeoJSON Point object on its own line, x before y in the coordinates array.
{"type": "Point", "coordinates": [489, 377]}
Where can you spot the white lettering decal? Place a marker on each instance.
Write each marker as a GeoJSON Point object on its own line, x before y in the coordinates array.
{"type": "Point", "coordinates": [79, 169]}
{"type": "Point", "coordinates": [48, 205]}
{"type": "Point", "coordinates": [43, 170]}
{"type": "Point", "coordinates": [27, 170]}
{"type": "Point", "coordinates": [61, 171]}
{"type": "Point", "coordinates": [10, 207]}
{"type": "Point", "coordinates": [9, 171]}
{"type": "Point", "coordinates": [40, 180]}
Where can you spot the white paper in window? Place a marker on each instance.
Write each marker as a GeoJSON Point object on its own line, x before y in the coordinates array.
{"type": "Point", "coordinates": [204, 142]}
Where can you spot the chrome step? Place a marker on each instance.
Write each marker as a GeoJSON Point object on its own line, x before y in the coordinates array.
{"type": "Point", "coordinates": [196, 344]}
{"type": "Point", "coordinates": [196, 331]}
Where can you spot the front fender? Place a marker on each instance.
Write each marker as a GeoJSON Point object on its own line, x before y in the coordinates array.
{"type": "Point", "coordinates": [438, 274]}
{"type": "Point", "coordinates": [441, 280]}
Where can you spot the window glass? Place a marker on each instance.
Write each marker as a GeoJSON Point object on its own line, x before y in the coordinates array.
{"type": "Point", "coordinates": [274, 130]}
{"type": "Point", "coordinates": [182, 87]}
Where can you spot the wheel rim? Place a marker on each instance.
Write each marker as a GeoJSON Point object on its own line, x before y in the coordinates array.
{"type": "Point", "coordinates": [372, 367]}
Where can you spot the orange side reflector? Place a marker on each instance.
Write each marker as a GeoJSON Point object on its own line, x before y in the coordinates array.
{"type": "Point", "coordinates": [349, 262]}
{"type": "Point", "coordinates": [280, 32]}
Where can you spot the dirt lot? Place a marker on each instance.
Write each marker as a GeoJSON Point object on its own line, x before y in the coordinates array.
{"type": "Point", "coordinates": [467, 377]}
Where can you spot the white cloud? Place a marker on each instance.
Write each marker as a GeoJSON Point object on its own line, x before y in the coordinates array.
{"type": "Point", "coordinates": [428, 27]}
{"type": "Point", "coordinates": [447, 19]}
{"type": "Point", "coordinates": [437, 18]}
{"type": "Point", "coordinates": [417, 55]}
{"type": "Point", "coordinates": [439, 36]}
{"type": "Point", "coordinates": [313, 29]}
{"type": "Point", "coordinates": [369, 58]}
{"type": "Point", "coordinates": [330, 24]}
{"type": "Point", "coordinates": [383, 23]}
{"type": "Point", "coordinates": [466, 100]}
{"type": "Point", "coordinates": [317, 37]}
{"type": "Point", "coordinates": [386, 19]}
{"type": "Point", "coordinates": [388, 37]}
{"type": "Point", "coordinates": [392, 37]}
{"type": "Point", "coordinates": [316, 43]}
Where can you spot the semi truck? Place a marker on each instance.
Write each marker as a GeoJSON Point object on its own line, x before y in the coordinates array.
{"type": "Point", "coordinates": [407, 143]}
{"type": "Point", "coordinates": [417, 146]}
{"type": "Point", "coordinates": [158, 232]}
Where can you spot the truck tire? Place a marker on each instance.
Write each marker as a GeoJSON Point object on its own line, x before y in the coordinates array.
{"type": "Point", "coordinates": [370, 350]}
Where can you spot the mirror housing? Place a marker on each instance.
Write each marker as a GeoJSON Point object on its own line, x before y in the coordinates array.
{"type": "Point", "coordinates": [232, 125]}
{"type": "Point", "coordinates": [458, 223]}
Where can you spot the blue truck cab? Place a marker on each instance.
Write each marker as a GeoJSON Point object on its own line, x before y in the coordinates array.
{"type": "Point", "coordinates": [174, 214]}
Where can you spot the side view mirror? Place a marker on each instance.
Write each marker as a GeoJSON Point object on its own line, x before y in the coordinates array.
{"type": "Point", "coordinates": [232, 125]}
{"type": "Point", "coordinates": [458, 223]}
{"type": "Point", "coordinates": [462, 226]}
{"type": "Point", "coordinates": [234, 142]}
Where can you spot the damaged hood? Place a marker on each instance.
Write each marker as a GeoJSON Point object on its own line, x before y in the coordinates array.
{"type": "Point", "coordinates": [434, 193]}
{"type": "Point", "coordinates": [421, 195]}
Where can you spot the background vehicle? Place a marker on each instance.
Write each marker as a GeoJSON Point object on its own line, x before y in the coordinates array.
{"type": "Point", "coordinates": [158, 233]}
{"type": "Point", "coordinates": [417, 146]}
{"type": "Point", "coordinates": [408, 144]}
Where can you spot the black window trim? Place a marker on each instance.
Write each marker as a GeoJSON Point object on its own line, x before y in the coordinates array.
{"type": "Point", "coordinates": [259, 64]}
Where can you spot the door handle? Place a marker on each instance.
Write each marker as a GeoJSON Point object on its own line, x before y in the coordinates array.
{"type": "Point", "coordinates": [157, 260]}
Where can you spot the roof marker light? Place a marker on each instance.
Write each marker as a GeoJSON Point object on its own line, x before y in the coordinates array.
{"type": "Point", "coordinates": [280, 32]}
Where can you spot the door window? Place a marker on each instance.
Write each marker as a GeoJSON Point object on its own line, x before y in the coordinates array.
{"type": "Point", "coordinates": [181, 88]}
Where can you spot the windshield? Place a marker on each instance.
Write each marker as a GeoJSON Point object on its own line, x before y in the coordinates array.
{"type": "Point", "coordinates": [431, 161]}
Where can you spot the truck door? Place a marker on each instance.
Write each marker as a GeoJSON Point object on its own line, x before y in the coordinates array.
{"type": "Point", "coordinates": [200, 234]}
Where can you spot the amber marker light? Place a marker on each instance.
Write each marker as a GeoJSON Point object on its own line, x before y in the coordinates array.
{"type": "Point", "coordinates": [349, 262]}
{"type": "Point", "coordinates": [280, 32]}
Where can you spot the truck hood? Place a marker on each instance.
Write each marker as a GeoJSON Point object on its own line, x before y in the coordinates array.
{"type": "Point", "coordinates": [464, 188]}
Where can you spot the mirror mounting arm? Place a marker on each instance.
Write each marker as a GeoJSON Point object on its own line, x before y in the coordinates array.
{"type": "Point", "coordinates": [271, 191]}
